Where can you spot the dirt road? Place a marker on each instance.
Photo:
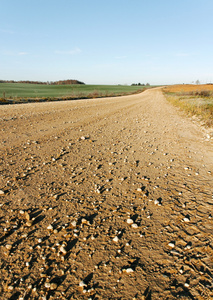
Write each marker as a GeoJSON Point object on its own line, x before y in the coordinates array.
{"type": "Point", "coordinates": [105, 199]}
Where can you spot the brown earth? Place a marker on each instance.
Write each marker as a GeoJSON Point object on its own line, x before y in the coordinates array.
{"type": "Point", "coordinates": [105, 199]}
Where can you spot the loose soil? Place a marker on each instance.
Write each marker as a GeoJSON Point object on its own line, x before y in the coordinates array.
{"type": "Point", "coordinates": [105, 199]}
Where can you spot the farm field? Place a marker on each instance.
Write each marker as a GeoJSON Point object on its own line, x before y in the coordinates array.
{"type": "Point", "coordinates": [195, 100]}
{"type": "Point", "coordinates": [25, 90]}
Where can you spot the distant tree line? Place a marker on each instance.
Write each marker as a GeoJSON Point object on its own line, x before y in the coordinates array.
{"type": "Point", "coordinates": [140, 84]}
{"type": "Point", "coordinates": [60, 82]}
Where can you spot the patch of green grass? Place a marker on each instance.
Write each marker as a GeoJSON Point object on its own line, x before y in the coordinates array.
{"type": "Point", "coordinates": [199, 103]}
{"type": "Point", "coordinates": [23, 90]}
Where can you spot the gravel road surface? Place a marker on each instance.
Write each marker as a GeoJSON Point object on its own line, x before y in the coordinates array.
{"type": "Point", "coordinates": [105, 199]}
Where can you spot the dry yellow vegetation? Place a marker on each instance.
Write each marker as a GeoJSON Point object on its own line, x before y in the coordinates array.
{"type": "Point", "coordinates": [181, 88]}
{"type": "Point", "coordinates": [195, 100]}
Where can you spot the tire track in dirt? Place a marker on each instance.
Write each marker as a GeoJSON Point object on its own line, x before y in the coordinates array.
{"type": "Point", "coordinates": [111, 200]}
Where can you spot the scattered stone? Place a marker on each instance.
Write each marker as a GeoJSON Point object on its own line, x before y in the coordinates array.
{"type": "Point", "coordinates": [50, 227]}
{"type": "Point", "coordinates": [115, 239]}
{"type": "Point", "coordinates": [186, 219]}
{"type": "Point", "coordinates": [62, 250]}
{"type": "Point", "coordinates": [128, 270]}
{"type": "Point", "coordinates": [73, 223]}
{"type": "Point", "coordinates": [8, 247]}
{"type": "Point", "coordinates": [134, 225]}
{"type": "Point", "coordinates": [130, 221]}
{"type": "Point", "coordinates": [157, 202]}
{"type": "Point", "coordinates": [28, 223]}
{"type": "Point", "coordinates": [26, 216]}
{"type": "Point", "coordinates": [53, 286]}
{"type": "Point", "coordinates": [171, 244]}
{"type": "Point", "coordinates": [82, 284]}
{"type": "Point", "coordinates": [47, 285]}
{"type": "Point", "coordinates": [85, 222]}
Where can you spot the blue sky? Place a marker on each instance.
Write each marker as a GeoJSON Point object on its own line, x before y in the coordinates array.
{"type": "Point", "coordinates": [107, 42]}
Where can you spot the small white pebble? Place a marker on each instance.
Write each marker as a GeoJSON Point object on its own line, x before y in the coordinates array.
{"type": "Point", "coordinates": [130, 221]}
{"type": "Point", "coordinates": [53, 286]}
{"type": "Point", "coordinates": [187, 247]}
{"type": "Point", "coordinates": [115, 239]}
{"type": "Point", "coordinates": [82, 283]}
{"type": "Point", "coordinates": [62, 250]}
{"type": "Point", "coordinates": [47, 285]}
{"type": "Point", "coordinates": [73, 223]}
{"type": "Point", "coordinates": [129, 270]}
{"type": "Point", "coordinates": [134, 225]}
{"type": "Point", "coordinates": [186, 219]}
{"type": "Point", "coordinates": [49, 227]}
{"type": "Point", "coordinates": [8, 247]}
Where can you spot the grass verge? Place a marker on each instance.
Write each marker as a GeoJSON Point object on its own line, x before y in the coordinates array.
{"type": "Point", "coordinates": [193, 100]}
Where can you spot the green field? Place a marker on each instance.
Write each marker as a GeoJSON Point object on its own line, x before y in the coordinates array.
{"type": "Point", "coordinates": [16, 91]}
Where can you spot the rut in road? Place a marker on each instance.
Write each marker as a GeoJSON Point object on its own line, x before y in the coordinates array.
{"type": "Point", "coordinates": [105, 199]}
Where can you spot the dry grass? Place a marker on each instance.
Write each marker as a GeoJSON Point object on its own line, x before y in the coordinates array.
{"type": "Point", "coordinates": [181, 88]}
{"type": "Point", "coordinates": [195, 100]}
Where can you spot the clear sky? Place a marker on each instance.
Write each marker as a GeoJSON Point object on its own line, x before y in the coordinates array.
{"type": "Point", "coordinates": [107, 41]}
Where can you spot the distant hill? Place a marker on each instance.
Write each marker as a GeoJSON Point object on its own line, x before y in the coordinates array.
{"type": "Point", "coordinates": [60, 82]}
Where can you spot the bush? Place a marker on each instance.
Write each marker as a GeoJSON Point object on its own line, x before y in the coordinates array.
{"type": "Point", "coordinates": [203, 93]}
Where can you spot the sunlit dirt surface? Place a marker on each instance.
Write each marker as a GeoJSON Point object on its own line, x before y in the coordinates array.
{"type": "Point", "coordinates": [105, 199]}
